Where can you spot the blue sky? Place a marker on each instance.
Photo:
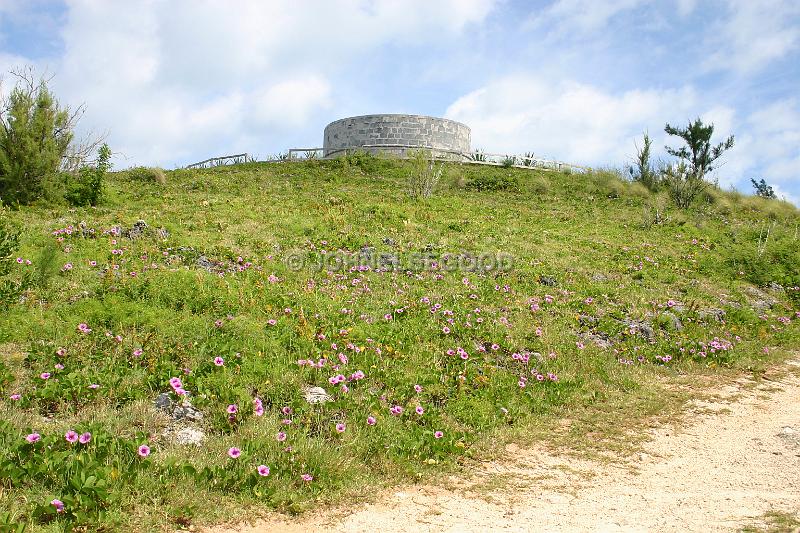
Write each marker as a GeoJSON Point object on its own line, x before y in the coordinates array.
{"type": "Point", "coordinates": [171, 82]}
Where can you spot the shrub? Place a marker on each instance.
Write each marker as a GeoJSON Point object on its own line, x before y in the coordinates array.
{"type": "Point", "coordinates": [642, 170]}
{"type": "Point", "coordinates": [35, 133]}
{"type": "Point", "coordinates": [148, 174]}
{"type": "Point", "coordinates": [762, 189]}
{"type": "Point", "coordinates": [425, 174]}
{"type": "Point", "coordinates": [478, 155]}
{"type": "Point", "coordinates": [493, 181]}
{"type": "Point", "coordinates": [509, 161]}
{"type": "Point", "coordinates": [528, 159]}
{"type": "Point", "coordinates": [684, 187]}
{"type": "Point", "coordinates": [699, 155]}
{"type": "Point", "coordinates": [87, 187]}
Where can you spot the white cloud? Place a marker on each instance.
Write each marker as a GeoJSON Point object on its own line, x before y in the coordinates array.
{"type": "Point", "coordinates": [585, 125]}
{"type": "Point", "coordinates": [291, 102]}
{"type": "Point", "coordinates": [768, 147]}
{"type": "Point", "coordinates": [755, 33]}
{"type": "Point", "coordinates": [570, 121]}
{"type": "Point", "coordinates": [171, 79]}
{"type": "Point", "coordinates": [581, 15]}
{"type": "Point", "coordinates": [685, 7]}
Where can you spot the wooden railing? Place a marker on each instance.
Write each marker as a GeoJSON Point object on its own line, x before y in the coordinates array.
{"type": "Point", "coordinates": [224, 160]}
{"type": "Point", "coordinates": [477, 158]}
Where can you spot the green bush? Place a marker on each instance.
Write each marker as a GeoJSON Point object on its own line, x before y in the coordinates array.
{"type": "Point", "coordinates": [87, 187]}
{"type": "Point", "coordinates": [35, 136]}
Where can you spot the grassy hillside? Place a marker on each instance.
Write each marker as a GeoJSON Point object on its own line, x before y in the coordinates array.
{"type": "Point", "coordinates": [245, 285]}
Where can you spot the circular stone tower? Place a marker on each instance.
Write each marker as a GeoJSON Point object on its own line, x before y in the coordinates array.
{"type": "Point", "coordinates": [396, 134]}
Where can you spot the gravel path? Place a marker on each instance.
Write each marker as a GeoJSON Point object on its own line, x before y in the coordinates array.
{"type": "Point", "coordinates": [738, 459]}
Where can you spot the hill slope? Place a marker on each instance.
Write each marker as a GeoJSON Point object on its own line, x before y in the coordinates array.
{"type": "Point", "coordinates": [251, 284]}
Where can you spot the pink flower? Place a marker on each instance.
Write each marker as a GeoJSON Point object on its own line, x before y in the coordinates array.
{"type": "Point", "coordinates": [175, 383]}
{"type": "Point", "coordinates": [61, 352]}
{"type": "Point", "coordinates": [219, 361]}
{"type": "Point", "coordinates": [15, 397]}
{"type": "Point", "coordinates": [263, 470]}
{"type": "Point", "coordinates": [71, 436]}
{"type": "Point", "coordinates": [418, 388]}
{"type": "Point", "coordinates": [371, 420]}
{"type": "Point", "coordinates": [281, 436]}
{"type": "Point", "coordinates": [58, 504]}
{"type": "Point", "coordinates": [232, 409]}
{"type": "Point", "coordinates": [340, 428]}
{"type": "Point", "coordinates": [33, 437]}
{"type": "Point", "coordinates": [85, 438]}
{"type": "Point", "coordinates": [438, 435]}
{"type": "Point", "coordinates": [137, 352]}
{"type": "Point", "coordinates": [144, 450]}
{"type": "Point", "coordinates": [445, 330]}
{"type": "Point", "coordinates": [396, 410]}
{"type": "Point", "coordinates": [45, 375]}
{"type": "Point", "coordinates": [307, 477]}
{"type": "Point", "coordinates": [580, 345]}
{"type": "Point", "coordinates": [234, 452]}
{"type": "Point", "coordinates": [419, 410]}
{"type": "Point", "coordinates": [84, 328]}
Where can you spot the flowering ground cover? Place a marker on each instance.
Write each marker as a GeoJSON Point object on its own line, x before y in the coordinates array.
{"type": "Point", "coordinates": [320, 333]}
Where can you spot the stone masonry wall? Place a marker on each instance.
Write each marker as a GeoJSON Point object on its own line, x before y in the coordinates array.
{"type": "Point", "coordinates": [394, 133]}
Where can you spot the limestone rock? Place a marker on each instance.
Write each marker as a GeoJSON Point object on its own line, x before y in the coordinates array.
{"type": "Point", "coordinates": [314, 395]}
{"type": "Point", "coordinates": [177, 411]}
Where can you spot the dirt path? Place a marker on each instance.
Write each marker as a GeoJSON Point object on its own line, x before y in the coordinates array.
{"type": "Point", "coordinates": [738, 459]}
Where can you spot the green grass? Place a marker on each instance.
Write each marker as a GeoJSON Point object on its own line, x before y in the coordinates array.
{"type": "Point", "coordinates": [590, 234]}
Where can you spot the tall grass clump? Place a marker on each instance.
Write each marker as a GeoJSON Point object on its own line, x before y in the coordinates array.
{"type": "Point", "coordinates": [148, 175]}
{"type": "Point", "coordinates": [425, 174]}
{"type": "Point", "coordinates": [12, 285]}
